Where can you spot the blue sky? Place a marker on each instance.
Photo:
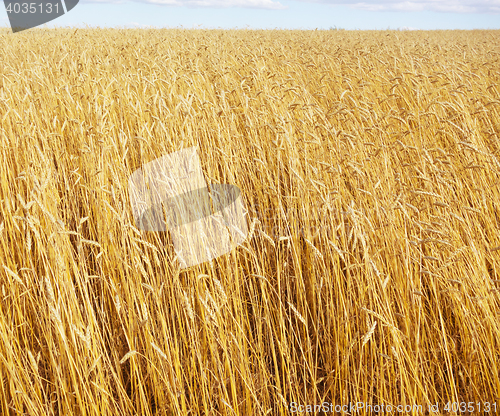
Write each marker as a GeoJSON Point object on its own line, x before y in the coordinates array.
{"type": "Point", "coordinates": [304, 14]}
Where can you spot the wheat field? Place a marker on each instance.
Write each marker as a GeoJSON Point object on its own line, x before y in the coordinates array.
{"type": "Point", "coordinates": [369, 166]}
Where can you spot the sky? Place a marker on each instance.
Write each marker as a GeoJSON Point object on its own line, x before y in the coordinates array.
{"type": "Point", "coordinates": [284, 14]}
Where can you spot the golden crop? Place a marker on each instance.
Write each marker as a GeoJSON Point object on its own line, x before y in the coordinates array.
{"type": "Point", "coordinates": [369, 163]}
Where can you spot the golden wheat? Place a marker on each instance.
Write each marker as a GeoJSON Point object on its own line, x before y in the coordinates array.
{"type": "Point", "coordinates": [368, 162]}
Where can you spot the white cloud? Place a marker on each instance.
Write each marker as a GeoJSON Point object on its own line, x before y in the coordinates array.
{"type": "Point", "coordinates": [257, 4]}
{"type": "Point", "coordinates": [254, 4]}
{"type": "Point", "coordinates": [137, 25]}
{"type": "Point", "coordinates": [450, 6]}
{"type": "Point", "coordinates": [104, 1]}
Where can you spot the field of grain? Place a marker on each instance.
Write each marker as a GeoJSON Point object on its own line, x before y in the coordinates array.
{"type": "Point", "coordinates": [369, 164]}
